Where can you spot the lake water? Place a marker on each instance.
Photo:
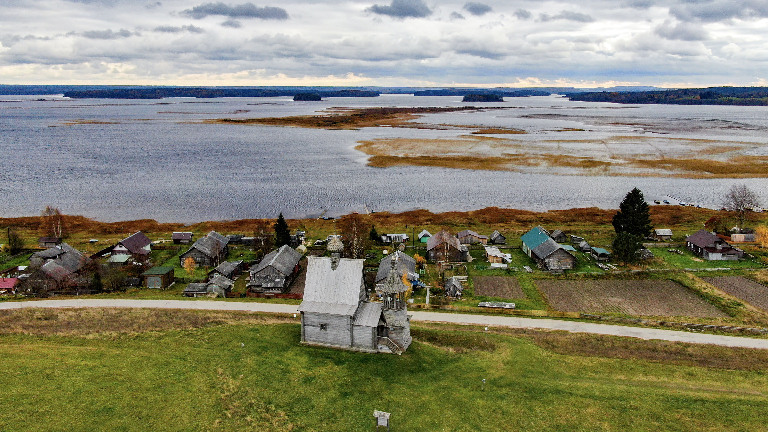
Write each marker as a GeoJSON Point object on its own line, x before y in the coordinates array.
{"type": "Point", "coordinates": [123, 159]}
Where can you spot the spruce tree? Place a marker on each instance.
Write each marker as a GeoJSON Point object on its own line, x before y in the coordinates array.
{"type": "Point", "coordinates": [282, 234]}
{"type": "Point", "coordinates": [633, 216]}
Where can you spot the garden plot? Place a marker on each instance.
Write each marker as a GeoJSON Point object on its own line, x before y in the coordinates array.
{"type": "Point", "coordinates": [632, 297]}
{"type": "Point", "coordinates": [498, 286]}
{"type": "Point", "coordinates": [742, 288]}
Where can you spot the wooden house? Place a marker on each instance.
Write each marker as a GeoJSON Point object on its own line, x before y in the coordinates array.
{"type": "Point", "coordinates": [48, 242]}
{"type": "Point", "coordinates": [158, 277]}
{"type": "Point", "coordinates": [58, 270]}
{"type": "Point", "coordinates": [275, 271]}
{"type": "Point", "coordinates": [208, 251]}
{"type": "Point", "coordinates": [8, 285]}
{"type": "Point", "coordinates": [137, 245]}
{"type": "Point", "coordinates": [711, 247]}
{"type": "Point", "coordinates": [662, 234]}
{"type": "Point", "coordinates": [182, 237]}
{"type": "Point", "coordinates": [218, 286]}
{"type": "Point", "coordinates": [453, 287]}
{"type": "Point", "coordinates": [471, 237]}
{"type": "Point", "coordinates": [495, 256]}
{"type": "Point", "coordinates": [424, 236]}
{"type": "Point", "coordinates": [559, 236]}
{"type": "Point", "coordinates": [405, 265]}
{"type": "Point", "coordinates": [228, 269]}
{"type": "Point", "coordinates": [497, 238]}
{"type": "Point", "coordinates": [445, 247]}
{"type": "Point", "coordinates": [336, 311]}
{"type": "Point", "coordinates": [394, 238]}
{"type": "Point", "coordinates": [547, 253]}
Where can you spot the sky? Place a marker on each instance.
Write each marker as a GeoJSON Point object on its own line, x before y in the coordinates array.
{"type": "Point", "coordinates": [585, 43]}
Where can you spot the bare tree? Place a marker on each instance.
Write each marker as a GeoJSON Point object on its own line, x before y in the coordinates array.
{"type": "Point", "coordinates": [53, 222]}
{"type": "Point", "coordinates": [741, 200]}
{"type": "Point", "coordinates": [355, 230]}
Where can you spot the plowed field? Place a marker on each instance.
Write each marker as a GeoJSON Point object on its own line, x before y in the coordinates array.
{"type": "Point", "coordinates": [498, 286]}
{"type": "Point", "coordinates": [631, 297]}
{"type": "Point", "coordinates": [745, 289]}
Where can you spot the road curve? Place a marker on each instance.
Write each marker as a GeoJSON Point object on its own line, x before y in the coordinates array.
{"type": "Point", "coordinates": [481, 320]}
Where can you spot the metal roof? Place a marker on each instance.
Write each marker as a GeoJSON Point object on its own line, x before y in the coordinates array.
{"type": "Point", "coordinates": [663, 231]}
{"type": "Point", "coordinates": [228, 267]}
{"type": "Point", "coordinates": [196, 288]}
{"type": "Point", "coordinates": [535, 237]}
{"type": "Point", "coordinates": [136, 243]}
{"type": "Point", "coordinates": [424, 233]}
{"type": "Point", "coordinates": [600, 251]}
{"type": "Point", "coordinates": [158, 271]}
{"type": "Point", "coordinates": [703, 238]}
{"type": "Point", "coordinates": [443, 237]}
{"type": "Point", "coordinates": [55, 271]}
{"type": "Point", "coordinates": [368, 314]}
{"type": "Point", "coordinates": [283, 260]}
{"type": "Point", "coordinates": [181, 235]}
{"type": "Point", "coordinates": [546, 249]}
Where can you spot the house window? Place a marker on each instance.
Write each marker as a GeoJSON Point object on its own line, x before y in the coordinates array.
{"type": "Point", "coordinates": [323, 326]}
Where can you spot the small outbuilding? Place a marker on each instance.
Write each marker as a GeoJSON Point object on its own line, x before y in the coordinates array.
{"type": "Point", "coordinates": [158, 277]}
{"type": "Point", "coordinates": [471, 237]}
{"type": "Point", "coordinates": [662, 234]}
{"type": "Point", "coordinates": [184, 237]}
{"type": "Point", "coordinates": [228, 269]}
{"type": "Point", "coordinates": [453, 287]}
{"type": "Point", "coordinates": [497, 238]}
{"type": "Point", "coordinates": [424, 236]}
{"type": "Point", "coordinates": [600, 254]}
{"type": "Point", "coordinates": [48, 242]}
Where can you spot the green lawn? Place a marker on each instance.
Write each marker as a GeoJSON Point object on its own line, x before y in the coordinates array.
{"type": "Point", "coordinates": [258, 377]}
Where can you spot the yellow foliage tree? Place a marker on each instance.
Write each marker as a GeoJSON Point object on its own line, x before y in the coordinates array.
{"type": "Point", "coordinates": [761, 234]}
{"type": "Point", "coordinates": [189, 265]}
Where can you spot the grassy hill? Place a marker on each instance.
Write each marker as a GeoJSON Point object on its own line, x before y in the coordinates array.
{"type": "Point", "coordinates": [186, 370]}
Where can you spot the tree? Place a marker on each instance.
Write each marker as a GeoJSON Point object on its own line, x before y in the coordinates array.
{"type": "Point", "coordinates": [761, 235]}
{"type": "Point", "coordinates": [374, 235]}
{"type": "Point", "coordinates": [633, 216]}
{"type": "Point", "coordinates": [189, 265]}
{"type": "Point", "coordinates": [282, 234]}
{"type": "Point", "coordinates": [356, 233]}
{"type": "Point", "coordinates": [15, 242]}
{"type": "Point", "coordinates": [53, 222]}
{"type": "Point", "coordinates": [625, 247]}
{"type": "Point", "coordinates": [740, 200]}
{"type": "Point", "coordinates": [262, 237]}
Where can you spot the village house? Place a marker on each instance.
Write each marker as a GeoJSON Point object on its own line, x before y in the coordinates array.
{"type": "Point", "coordinates": [57, 270]}
{"type": "Point", "coordinates": [424, 236]}
{"type": "Point", "coordinates": [275, 271]}
{"type": "Point", "coordinates": [453, 287]}
{"type": "Point", "coordinates": [218, 286]}
{"type": "Point", "coordinates": [547, 253]}
{"type": "Point", "coordinates": [137, 245]}
{"type": "Point", "coordinates": [497, 238]}
{"type": "Point", "coordinates": [228, 269]}
{"type": "Point", "coordinates": [182, 237]}
{"type": "Point", "coordinates": [8, 285]}
{"type": "Point", "coordinates": [208, 251]}
{"type": "Point", "coordinates": [495, 256]}
{"type": "Point", "coordinates": [48, 242]}
{"type": "Point", "coordinates": [471, 237]}
{"type": "Point", "coordinates": [336, 311]}
{"type": "Point", "coordinates": [405, 265]}
{"type": "Point", "coordinates": [711, 247]}
{"type": "Point", "coordinates": [662, 234]}
{"type": "Point", "coordinates": [559, 236]}
{"type": "Point", "coordinates": [158, 277]}
{"type": "Point", "coordinates": [445, 247]}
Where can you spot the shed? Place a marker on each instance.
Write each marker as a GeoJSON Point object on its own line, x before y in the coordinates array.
{"type": "Point", "coordinates": [228, 269]}
{"type": "Point", "coordinates": [559, 236]}
{"type": "Point", "coordinates": [184, 237]}
{"type": "Point", "coordinates": [662, 234]}
{"type": "Point", "coordinates": [453, 287]}
{"type": "Point", "coordinates": [495, 256]}
{"type": "Point", "coordinates": [743, 238]}
{"type": "Point", "coordinates": [471, 237]}
{"type": "Point", "coordinates": [497, 238]}
{"type": "Point", "coordinates": [600, 254]}
{"type": "Point", "coordinates": [158, 277]}
{"type": "Point", "coordinates": [424, 236]}
{"type": "Point", "coordinates": [48, 242]}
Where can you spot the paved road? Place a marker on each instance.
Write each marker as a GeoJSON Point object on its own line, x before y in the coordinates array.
{"type": "Point", "coordinates": [482, 320]}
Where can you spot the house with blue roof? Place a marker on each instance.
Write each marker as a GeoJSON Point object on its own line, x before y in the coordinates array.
{"type": "Point", "coordinates": [547, 253]}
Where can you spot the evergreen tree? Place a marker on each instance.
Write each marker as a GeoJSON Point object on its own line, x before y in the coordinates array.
{"type": "Point", "coordinates": [625, 247]}
{"type": "Point", "coordinates": [374, 235]}
{"type": "Point", "coordinates": [282, 234]}
{"type": "Point", "coordinates": [633, 216]}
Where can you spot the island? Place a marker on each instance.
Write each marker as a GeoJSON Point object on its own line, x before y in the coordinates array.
{"type": "Point", "coordinates": [307, 97]}
{"type": "Point", "coordinates": [484, 97]}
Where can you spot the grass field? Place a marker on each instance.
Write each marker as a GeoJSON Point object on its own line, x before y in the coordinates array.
{"type": "Point", "coordinates": [168, 371]}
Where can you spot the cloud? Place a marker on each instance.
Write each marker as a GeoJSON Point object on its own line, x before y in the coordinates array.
{"type": "Point", "coordinates": [245, 10]}
{"type": "Point", "coordinates": [522, 14]}
{"type": "Point", "coordinates": [107, 34]}
{"type": "Point", "coordinates": [681, 31]}
{"type": "Point", "coordinates": [402, 9]}
{"type": "Point", "coordinates": [477, 9]}
{"type": "Point", "coordinates": [567, 16]}
{"type": "Point", "coordinates": [720, 10]}
{"type": "Point", "coordinates": [231, 23]}
{"type": "Point", "coordinates": [456, 15]}
{"type": "Point", "coordinates": [181, 29]}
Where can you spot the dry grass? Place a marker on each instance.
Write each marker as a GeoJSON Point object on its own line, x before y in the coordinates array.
{"type": "Point", "coordinates": [738, 167]}
{"type": "Point", "coordinates": [347, 118]}
{"type": "Point", "coordinates": [94, 321]}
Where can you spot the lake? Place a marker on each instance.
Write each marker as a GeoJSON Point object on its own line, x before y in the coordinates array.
{"type": "Point", "coordinates": [128, 159]}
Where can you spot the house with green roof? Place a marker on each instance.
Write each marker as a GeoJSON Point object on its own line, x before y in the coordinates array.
{"type": "Point", "coordinates": [547, 253]}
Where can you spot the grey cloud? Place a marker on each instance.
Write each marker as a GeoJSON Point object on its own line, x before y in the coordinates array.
{"type": "Point", "coordinates": [153, 5]}
{"type": "Point", "coordinates": [522, 14]}
{"type": "Point", "coordinates": [245, 10]}
{"type": "Point", "coordinates": [231, 23]}
{"type": "Point", "coordinates": [639, 4]}
{"type": "Point", "coordinates": [107, 34]}
{"type": "Point", "coordinates": [477, 9]}
{"type": "Point", "coordinates": [172, 29]}
{"type": "Point", "coordinates": [720, 10]}
{"type": "Point", "coordinates": [681, 31]}
{"type": "Point", "coordinates": [567, 16]}
{"type": "Point", "coordinates": [456, 15]}
{"type": "Point", "coordinates": [402, 9]}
